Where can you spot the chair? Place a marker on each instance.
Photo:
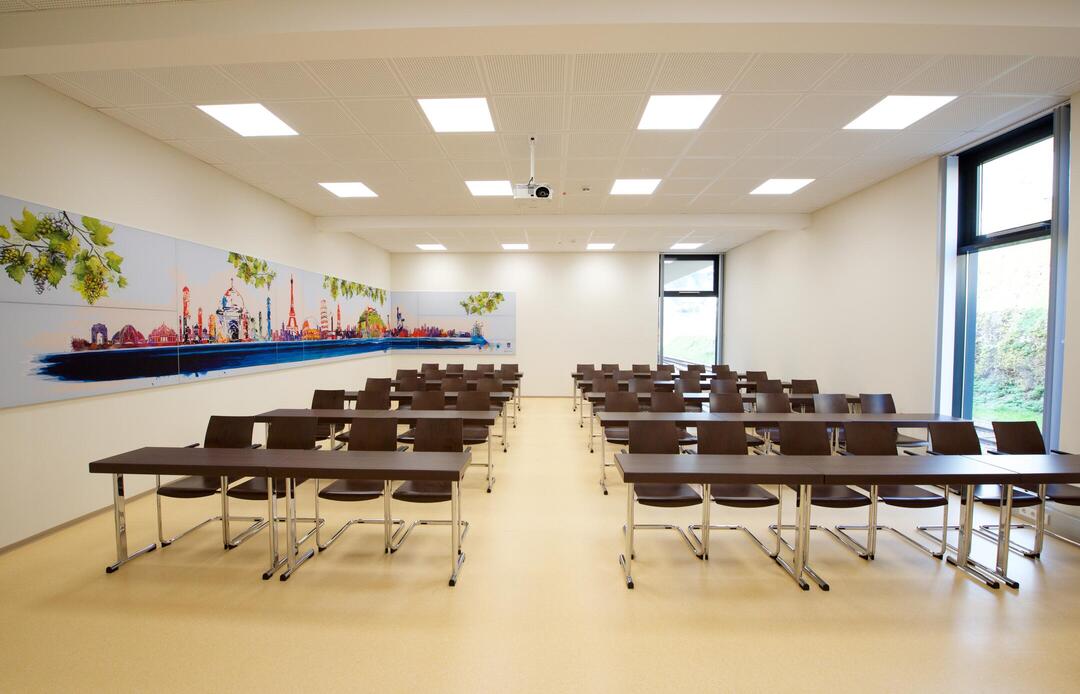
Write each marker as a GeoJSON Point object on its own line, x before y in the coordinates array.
{"type": "Point", "coordinates": [724, 385]}
{"type": "Point", "coordinates": [665, 372]}
{"type": "Point", "coordinates": [732, 403]}
{"type": "Point", "coordinates": [508, 371]}
{"type": "Point", "coordinates": [221, 432]}
{"type": "Point", "coordinates": [882, 403]}
{"type": "Point", "coordinates": [372, 400]}
{"type": "Point", "coordinates": [876, 438]}
{"type": "Point", "coordinates": [329, 400]}
{"type": "Point", "coordinates": [832, 403]}
{"type": "Point", "coordinates": [453, 384]}
{"type": "Point", "coordinates": [588, 372]}
{"type": "Point", "coordinates": [673, 402]}
{"type": "Point", "coordinates": [1024, 438]}
{"type": "Point", "coordinates": [641, 369]}
{"type": "Point", "coordinates": [755, 376]}
{"type": "Point", "coordinates": [801, 386]}
{"type": "Point", "coordinates": [476, 434]}
{"type": "Point", "coordinates": [382, 384]}
{"type": "Point", "coordinates": [657, 437]}
{"type": "Point", "coordinates": [771, 403]}
{"type": "Point", "coordinates": [364, 435]}
{"type": "Point", "coordinates": [615, 401]}
{"type": "Point", "coordinates": [723, 371]}
{"type": "Point", "coordinates": [455, 368]}
{"type": "Point", "coordinates": [609, 368]}
{"type": "Point", "coordinates": [437, 436]}
{"type": "Point", "coordinates": [405, 373]}
{"type": "Point", "coordinates": [409, 383]}
{"type": "Point", "coordinates": [641, 383]}
{"type": "Point", "coordinates": [432, 374]}
{"type": "Point", "coordinates": [429, 367]}
{"type": "Point", "coordinates": [424, 400]}
{"type": "Point", "coordinates": [485, 368]}
{"type": "Point", "coordinates": [688, 383]}
{"type": "Point", "coordinates": [729, 438]}
{"type": "Point", "coordinates": [769, 386]}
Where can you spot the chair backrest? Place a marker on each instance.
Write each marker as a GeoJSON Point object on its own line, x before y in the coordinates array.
{"type": "Point", "coordinates": [297, 433]}
{"type": "Point", "coordinates": [869, 438]}
{"type": "Point", "coordinates": [804, 438]}
{"type": "Point", "coordinates": [609, 368]}
{"type": "Point", "coordinates": [721, 438]}
{"type": "Point", "coordinates": [473, 401]}
{"type": "Point", "coordinates": [485, 368]}
{"type": "Point", "coordinates": [722, 371]}
{"type": "Point", "coordinates": [772, 403]}
{"type": "Point", "coordinates": [755, 376]}
{"type": "Point", "coordinates": [228, 432]}
{"type": "Point", "coordinates": [877, 403]}
{"type": "Point", "coordinates": [453, 384]}
{"type": "Point", "coordinates": [728, 403]}
{"type": "Point", "coordinates": [429, 366]}
{"type": "Point", "coordinates": [695, 368]}
{"type": "Point", "coordinates": [654, 437]}
{"type": "Point", "coordinates": [688, 383]}
{"type": "Point", "coordinates": [769, 386]}
{"type": "Point", "coordinates": [1019, 438]}
{"type": "Point", "coordinates": [438, 436]}
{"type": "Point", "coordinates": [508, 371]}
{"type": "Point", "coordinates": [469, 374]}
{"type": "Point", "coordinates": [455, 368]}
{"type": "Point", "coordinates": [377, 384]}
{"type": "Point", "coordinates": [830, 403]}
{"type": "Point", "coordinates": [667, 369]}
{"type": "Point", "coordinates": [641, 368]}
{"type": "Point", "coordinates": [489, 385]}
{"type": "Point", "coordinates": [641, 384]}
{"type": "Point", "coordinates": [429, 400]}
{"type": "Point", "coordinates": [373, 400]}
{"type": "Point", "coordinates": [604, 385]}
{"type": "Point", "coordinates": [328, 400]}
{"type": "Point", "coordinates": [405, 373]}
{"type": "Point", "coordinates": [586, 370]}
{"type": "Point", "coordinates": [803, 386]}
{"type": "Point", "coordinates": [432, 373]}
{"type": "Point", "coordinates": [724, 385]}
{"type": "Point", "coordinates": [621, 401]}
{"type": "Point", "coordinates": [623, 375]}
{"type": "Point", "coordinates": [667, 402]}
{"type": "Point", "coordinates": [367, 434]}
{"type": "Point", "coordinates": [409, 382]}
{"type": "Point", "coordinates": [954, 438]}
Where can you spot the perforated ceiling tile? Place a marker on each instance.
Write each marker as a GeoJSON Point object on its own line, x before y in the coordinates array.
{"type": "Point", "coordinates": [785, 72]}
{"type": "Point", "coordinates": [627, 204]}
{"type": "Point", "coordinates": [672, 203]}
{"type": "Point", "coordinates": [851, 143]}
{"type": "Point", "coordinates": [711, 203]}
{"type": "Point", "coordinates": [289, 149]}
{"type": "Point", "coordinates": [827, 111]}
{"type": "Point", "coordinates": [591, 168]}
{"type": "Point", "coordinates": [476, 170]}
{"type": "Point", "coordinates": [14, 6]}
{"type": "Point", "coordinates": [225, 151]}
{"type": "Point", "coordinates": [70, 90]}
{"type": "Point", "coordinates": [348, 147]}
{"type": "Point", "coordinates": [127, 118]}
{"type": "Point", "coordinates": [389, 115]}
{"type": "Point", "coordinates": [431, 171]}
{"type": "Point", "coordinates": [596, 144]}
{"type": "Point", "coordinates": [958, 74]}
{"type": "Point", "coordinates": [658, 143]}
{"type": "Point", "coordinates": [118, 87]}
{"type": "Point", "coordinates": [968, 112]}
{"type": "Point", "coordinates": [760, 168]}
{"type": "Point", "coordinates": [605, 112]}
{"type": "Point", "coordinates": [785, 143]}
{"type": "Point", "coordinates": [689, 73]}
{"type": "Point", "coordinates": [683, 186]}
{"type": "Point", "coordinates": [275, 80]}
{"type": "Point", "coordinates": [723, 143]}
{"type": "Point", "coordinates": [612, 72]}
{"type": "Point", "coordinates": [811, 167]}
{"type": "Point", "coordinates": [197, 84]}
{"type": "Point", "coordinates": [732, 186]}
{"type": "Point", "coordinates": [909, 143]}
{"type": "Point", "coordinates": [441, 76]}
{"type": "Point", "coordinates": [644, 168]}
{"type": "Point", "coordinates": [363, 77]}
{"type": "Point", "coordinates": [548, 145]}
{"type": "Point", "coordinates": [323, 117]}
{"type": "Point", "coordinates": [410, 146]}
{"type": "Point", "coordinates": [471, 145]}
{"type": "Point", "coordinates": [525, 74]}
{"type": "Point", "coordinates": [1040, 75]}
{"type": "Point", "coordinates": [749, 111]}
{"type": "Point", "coordinates": [879, 74]}
{"type": "Point", "coordinates": [547, 171]}
{"type": "Point", "coordinates": [71, 4]}
{"type": "Point", "coordinates": [180, 122]}
{"type": "Point", "coordinates": [710, 167]}
{"type": "Point", "coordinates": [528, 113]}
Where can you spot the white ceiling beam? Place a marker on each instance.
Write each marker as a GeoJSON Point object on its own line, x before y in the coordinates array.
{"type": "Point", "coordinates": [700, 222]}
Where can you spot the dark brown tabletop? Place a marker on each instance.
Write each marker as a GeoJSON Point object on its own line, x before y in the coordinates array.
{"type": "Point", "coordinates": [1037, 469]}
{"type": "Point", "coordinates": [374, 465]}
{"type": "Point", "coordinates": [407, 395]}
{"type": "Point", "coordinates": [153, 460]}
{"type": "Point", "coordinates": [753, 419]}
{"type": "Point", "coordinates": [403, 416]}
{"type": "Point", "coordinates": [714, 469]}
{"type": "Point", "coordinates": [747, 398]}
{"type": "Point", "coordinates": [512, 383]}
{"type": "Point", "coordinates": [907, 469]}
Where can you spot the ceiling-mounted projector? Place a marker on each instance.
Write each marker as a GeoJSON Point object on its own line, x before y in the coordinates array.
{"type": "Point", "coordinates": [532, 190]}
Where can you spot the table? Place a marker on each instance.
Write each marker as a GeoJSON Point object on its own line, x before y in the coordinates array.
{"type": "Point", "coordinates": [470, 384]}
{"type": "Point", "coordinates": [796, 399]}
{"type": "Point", "coordinates": [500, 397]}
{"type": "Point", "coordinates": [278, 463]}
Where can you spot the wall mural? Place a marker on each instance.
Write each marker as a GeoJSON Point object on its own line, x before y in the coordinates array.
{"type": "Point", "coordinates": [93, 308]}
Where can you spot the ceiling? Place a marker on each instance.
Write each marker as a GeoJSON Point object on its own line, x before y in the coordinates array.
{"type": "Point", "coordinates": [38, 5]}
{"type": "Point", "coordinates": [781, 115]}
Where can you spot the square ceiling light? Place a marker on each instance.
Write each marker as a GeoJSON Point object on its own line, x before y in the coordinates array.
{"type": "Point", "coordinates": [897, 112]}
{"type": "Point", "coordinates": [485, 189]}
{"type": "Point", "coordinates": [458, 115]}
{"type": "Point", "coordinates": [634, 186]}
{"type": "Point", "coordinates": [515, 246]}
{"type": "Point", "coordinates": [349, 189]}
{"type": "Point", "coordinates": [249, 120]}
{"type": "Point", "coordinates": [599, 246]}
{"type": "Point", "coordinates": [781, 186]}
{"type": "Point", "coordinates": [431, 246]}
{"type": "Point", "coordinates": [677, 111]}
{"type": "Point", "coordinates": [686, 246]}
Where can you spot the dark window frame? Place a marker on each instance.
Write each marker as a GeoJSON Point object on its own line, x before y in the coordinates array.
{"type": "Point", "coordinates": [718, 267]}
{"type": "Point", "coordinates": [715, 291]}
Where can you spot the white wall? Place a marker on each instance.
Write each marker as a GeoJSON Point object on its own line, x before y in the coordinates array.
{"type": "Point", "coordinates": [57, 152]}
{"type": "Point", "coordinates": [571, 307]}
{"type": "Point", "coordinates": [851, 301]}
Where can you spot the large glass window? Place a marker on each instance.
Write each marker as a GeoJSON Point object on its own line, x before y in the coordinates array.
{"type": "Point", "coordinates": [690, 309]}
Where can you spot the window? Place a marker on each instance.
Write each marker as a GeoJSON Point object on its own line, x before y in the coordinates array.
{"type": "Point", "coordinates": [1008, 295]}
{"type": "Point", "coordinates": [689, 309]}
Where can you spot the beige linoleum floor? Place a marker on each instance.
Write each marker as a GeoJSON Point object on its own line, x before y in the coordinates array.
{"type": "Point", "coordinates": [540, 606]}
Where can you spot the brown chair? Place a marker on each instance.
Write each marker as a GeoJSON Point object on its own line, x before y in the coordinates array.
{"type": "Point", "coordinates": [429, 367]}
{"type": "Point", "coordinates": [668, 371]}
{"type": "Point", "coordinates": [724, 385]}
{"type": "Point", "coordinates": [832, 403]}
{"type": "Point", "coordinates": [453, 384]}
{"type": "Point", "coordinates": [377, 384]}
{"type": "Point", "coordinates": [455, 368]}
{"type": "Point", "coordinates": [329, 400]}
{"type": "Point", "coordinates": [509, 371]}
{"type": "Point", "coordinates": [615, 401]}
{"type": "Point", "coordinates": [801, 386]}
{"type": "Point", "coordinates": [405, 373]}
{"type": "Point", "coordinates": [433, 436]}
{"type": "Point", "coordinates": [221, 432]}
{"type": "Point", "coordinates": [485, 368]}
{"type": "Point", "coordinates": [673, 402]}
{"type": "Point", "coordinates": [770, 386]}
{"type": "Point", "coordinates": [688, 383]}
{"type": "Point", "coordinates": [424, 400]}
{"type": "Point", "coordinates": [490, 385]}
{"type": "Point", "coordinates": [732, 403]}
{"type": "Point", "coordinates": [876, 438]}
{"type": "Point", "coordinates": [771, 403]}
{"type": "Point", "coordinates": [1024, 438]}
{"type": "Point", "coordinates": [723, 371]}
{"type": "Point", "coordinates": [364, 435]}
{"type": "Point", "coordinates": [882, 403]}
{"type": "Point", "coordinates": [729, 438]}
{"type": "Point", "coordinates": [373, 400]}
{"type": "Point", "coordinates": [641, 383]}
{"type": "Point", "coordinates": [432, 374]}
{"type": "Point", "coordinates": [755, 376]}
{"type": "Point", "coordinates": [641, 369]}
{"type": "Point", "coordinates": [476, 434]}
{"type": "Point", "coordinates": [409, 383]}
{"type": "Point", "coordinates": [470, 375]}
{"type": "Point", "coordinates": [609, 368]}
{"type": "Point", "coordinates": [659, 437]}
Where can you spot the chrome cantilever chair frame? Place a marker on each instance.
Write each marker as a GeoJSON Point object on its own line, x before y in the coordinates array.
{"type": "Point", "coordinates": [388, 535]}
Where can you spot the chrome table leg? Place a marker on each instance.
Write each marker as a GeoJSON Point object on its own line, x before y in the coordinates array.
{"type": "Point", "coordinates": [294, 559]}
{"type": "Point", "coordinates": [457, 556]}
{"type": "Point", "coordinates": [627, 556]}
{"type": "Point", "coordinates": [963, 560]}
{"type": "Point", "coordinates": [120, 523]}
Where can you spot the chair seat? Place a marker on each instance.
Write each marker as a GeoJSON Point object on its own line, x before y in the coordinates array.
{"type": "Point", "coordinates": [772, 432]}
{"type": "Point", "coordinates": [472, 435]}
{"type": "Point", "coordinates": [742, 496]}
{"type": "Point", "coordinates": [352, 490]}
{"type": "Point", "coordinates": [255, 489]}
{"type": "Point", "coordinates": [1063, 494]}
{"type": "Point", "coordinates": [193, 487]}
{"type": "Point", "coordinates": [408, 437]}
{"type": "Point", "coordinates": [418, 492]}
{"type": "Point", "coordinates": [910, 441]}
{"type": "Point", "coordinates": [909, 496]}
{"type": "Point", "coordinates": [687, 439]}
{"type": "Point", "coordinates": [990, 494]}
{"type": "Point", "coordinates": [837, 496]}
{"type": "Point", "coordinates": [325, 431]}
{"type": "Point", "coordinates": [666, 495]}
{"type": "Point", "coordinates": [617, 434]}
{"type": "Point", "coordinates": [753, 441]}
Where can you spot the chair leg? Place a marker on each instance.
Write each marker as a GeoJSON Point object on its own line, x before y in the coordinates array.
{"type": "Point", "coordinates": [403, 534]}
{"type": "Point", "coordinates": [257, 522]}
{"type": "Point", "coordinates": [778, 529]}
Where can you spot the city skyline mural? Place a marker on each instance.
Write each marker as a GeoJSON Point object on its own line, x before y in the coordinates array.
{"type": "Point", "coordinates": [98, 307]}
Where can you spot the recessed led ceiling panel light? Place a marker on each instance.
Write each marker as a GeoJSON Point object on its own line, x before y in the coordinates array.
{"type": "Point", "coordinates": [249, 120]}
{"type": "Point", "coordinates": [634, 186]}
{"type": "Point", "coordinates": [458, 115]}
{"type": "Point", "coordinates": [781, 186]}
{"type": "Point", "coordinates": [686, 246]}
{"type": "Point", "coordinates": [431, 246]}
{"type": "Point", "coordinates": [515, 246]}
{"type": "Point", "coordinates": [897, 112]}
{"type": "Point", "coordinates": [349, 189]}
{"type": "Point", "coordinates": [484, 189]}
{"type": "Point", "coordinates": [677, 111]}
{"type": "Point", "coordinates": [599, 246]}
